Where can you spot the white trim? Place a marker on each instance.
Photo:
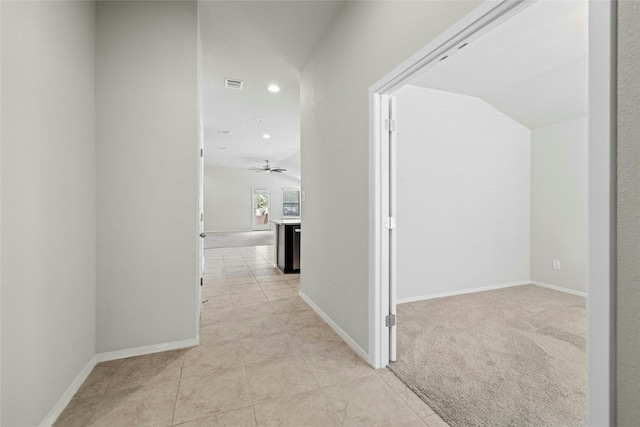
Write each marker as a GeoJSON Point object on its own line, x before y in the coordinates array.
{"type": "Point", "coordinates": [376, 295]}
{"type": "Point", "coordinates": [601, 202]}
{"type": "Point", "coordinates": [559, 288]}
{"type": "Point", "coordinates": [201, 265]}
{"type": "Point", "coordinates": [486, 16]}
{"type": "Point", "coordinates": [490, 288]}
{"type": "Point", "coordinates": [256, 191]}
{"type": "Point", "coordinates": [385, 244]}
{"type": "Point", "coordinates": [462, 292]}
{"type": "Point", "coordinates": [347, 339]}
{"type": "Point", "coordinates": [391, 142]}
{"type": "Point", "coordinates": [149, 349]}
{"type": "Point", "coordinates": [64, 400]}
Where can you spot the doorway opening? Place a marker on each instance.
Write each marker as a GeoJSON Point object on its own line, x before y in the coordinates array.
{"type": "Point", "coordinates": [598, 227]}
{"type": "Point", "coordinates": [261, 206]}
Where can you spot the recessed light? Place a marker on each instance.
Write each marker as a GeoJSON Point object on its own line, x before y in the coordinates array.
{"type": "Point", "coordinates": [257, 119]}
{"type": "Point", "coordinates": [274, 88]}
{"type": "Point", "coordinates": [266, 136]}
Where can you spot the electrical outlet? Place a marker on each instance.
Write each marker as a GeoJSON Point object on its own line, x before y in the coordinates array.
{"type": "Point", "coordinates": [556, 264]}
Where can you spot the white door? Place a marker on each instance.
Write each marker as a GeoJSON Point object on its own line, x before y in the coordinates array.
{"type": "Point", "coordinates": [201, 263]}
{"type": "Point", "coordinates": [201, 212]}
{"type": "Point", "coordinates": [200, 218]}
{"type": "Point", "coordinates": [261, 208]}
{"type": "Point", "coordinates": [388, 232]}
{"type": "Point", "coordinates": [390, 130]}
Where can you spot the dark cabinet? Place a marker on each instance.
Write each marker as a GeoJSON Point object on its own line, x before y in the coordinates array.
{"type": "Point", "coordinates": [288, 247]}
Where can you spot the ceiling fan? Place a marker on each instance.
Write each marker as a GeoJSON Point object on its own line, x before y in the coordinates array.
{"type": "Point", "coordinates": [268, 169]}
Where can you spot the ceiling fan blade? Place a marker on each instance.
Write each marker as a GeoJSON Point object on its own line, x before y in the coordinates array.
{"type": "Point", "coordinates": [266, 168]}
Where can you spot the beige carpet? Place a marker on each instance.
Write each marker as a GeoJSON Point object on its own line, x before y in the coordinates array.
{"type": "Point", "coordinates": [509, 357]}
{"type": "Point", "coordinates": [237, 239]}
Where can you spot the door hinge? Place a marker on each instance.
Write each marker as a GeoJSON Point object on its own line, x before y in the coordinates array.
{"type": "Point", "coordinates": [390, 320]}
{"type": "Point", "coordinates": [389, 125]}
{"type": "Point", "coordinates": [201, 152]}
{"type": "Point", "coordinates": [390, 223]}
{"type": "Point", "coordinates": [201, 281]}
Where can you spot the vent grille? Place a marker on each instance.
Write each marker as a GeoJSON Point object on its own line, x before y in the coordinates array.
{"type": "Point", "coordinates": [233, 84]}
{"type": "Point", "coordinates": [225, 132]}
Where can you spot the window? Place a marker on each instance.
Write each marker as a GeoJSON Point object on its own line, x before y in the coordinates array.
{"type": "Point", "coordinates": [290, 202]}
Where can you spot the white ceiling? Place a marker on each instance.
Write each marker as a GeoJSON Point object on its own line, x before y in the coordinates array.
{"type": "Point", "coordinates": [532, 67]}
{"type": "Point", "coordinates": [259, 42]}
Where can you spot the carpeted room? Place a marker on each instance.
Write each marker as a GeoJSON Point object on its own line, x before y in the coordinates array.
{"type": "Point", "coordinates": [491, 246]}
{"type": "Point", "coordinates": [508, 357]}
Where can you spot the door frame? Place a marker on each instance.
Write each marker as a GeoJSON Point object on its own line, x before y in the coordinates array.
{"type": "Point", "coordinates": [601, 189]}
{"type": "Point", "coordinates": [254, 226]}
{"type": "Point", "coordinates": [200, 183]}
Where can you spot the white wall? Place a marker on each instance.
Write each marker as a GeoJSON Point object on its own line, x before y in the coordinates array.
{"type": "Point", "coordinates": [48, 203]}
{"type": "Point", "coordinates": [334, 129]}
{"type": "Point", "coordinates": [463, 195]}
{"type": "Point", "coordinates": [0, 217]}
{"type": "Point", "coordinates": [628, 245]}
{"type": "Point", "coordinates": [147, 168]}
{"type": "Point", "coordinates": [451, 190]}
{"type": "Point", "coordinates": [228, 193]}
{"type": "Point", "coordinates": [559, 204]}
{"type": "Point", "coordinates": [354, 54]}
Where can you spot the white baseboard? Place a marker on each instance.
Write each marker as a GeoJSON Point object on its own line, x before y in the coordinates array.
{"type": "Point", "coordinates": [461, 292]}
{"type": "Point", "coordinates": [149, 349]}
{"type": "Point", "coordinates": [347, 339]}
{"type": "Point", "coordinates": [62, 403]}
{"type": "Point", "coordinates": [559, 288]}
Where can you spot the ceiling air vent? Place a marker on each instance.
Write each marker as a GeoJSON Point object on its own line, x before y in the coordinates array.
{"type": "Point", "coordinates": [233, 84]}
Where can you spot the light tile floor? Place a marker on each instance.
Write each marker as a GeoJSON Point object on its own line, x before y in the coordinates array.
{"type": "Point", "coordinates": [265, 359]}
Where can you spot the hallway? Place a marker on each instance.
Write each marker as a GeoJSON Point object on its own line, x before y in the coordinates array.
{"type": "Point", "coordinates": [265, 359]}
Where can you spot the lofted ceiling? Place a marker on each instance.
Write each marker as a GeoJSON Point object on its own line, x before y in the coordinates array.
{"type": "Point", "coordinates": [533, 67]}
{"type": "Point", "coordinates": [260, 43]}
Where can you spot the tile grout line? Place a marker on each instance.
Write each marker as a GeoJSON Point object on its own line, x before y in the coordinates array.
{"type": "Point", "coordinates": [341, 423]}
{"type": "Point", "coordinates": [175, 402]}
{"type": "Point", "coordinates": [287, 332]}
{"type": "Point", "coordinates": [246, 375]}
